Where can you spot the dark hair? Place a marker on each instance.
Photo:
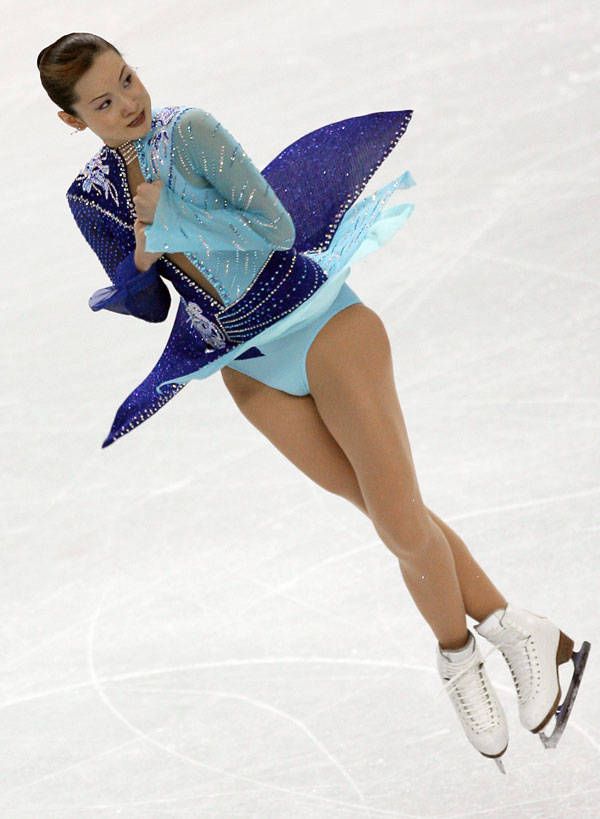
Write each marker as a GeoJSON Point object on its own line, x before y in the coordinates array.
{"type": "Point", "coordinates": [64, 61]}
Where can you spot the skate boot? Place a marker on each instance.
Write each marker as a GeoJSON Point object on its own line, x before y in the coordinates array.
{"type": "Point", "coordinates": [534, 648]}
{"type": "Point", "coordinates": [474, 699]}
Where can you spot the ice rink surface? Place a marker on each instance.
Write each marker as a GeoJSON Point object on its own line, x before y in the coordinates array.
{"type": "Point", "coordinates": [189, 626]}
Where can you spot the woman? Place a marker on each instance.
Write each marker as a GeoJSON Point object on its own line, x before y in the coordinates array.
{"type": "Point", "coordinates": [259, 261]}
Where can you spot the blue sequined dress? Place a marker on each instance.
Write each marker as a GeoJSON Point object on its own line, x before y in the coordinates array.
{"type": "Point", "coordinates": [277, 245]}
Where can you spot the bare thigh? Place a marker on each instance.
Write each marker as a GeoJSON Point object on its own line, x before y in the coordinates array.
{"type": "Point", "coordinates": [350, 373]}
{"type": "Point", "coordinates": [293, 425]}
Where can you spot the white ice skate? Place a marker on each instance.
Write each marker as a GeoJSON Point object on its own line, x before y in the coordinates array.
{"type": "Point", "coordinates": [474, 699]}
{"type": "Point", "coordinates": [534, 648]}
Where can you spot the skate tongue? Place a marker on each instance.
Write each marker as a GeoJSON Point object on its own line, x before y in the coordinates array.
{"type": "Point", "coordinates": [446, 685]}
{"type": "Point", "coordinates": [460, 654]}
{"type": "Point", "coordinates": [492, 624]}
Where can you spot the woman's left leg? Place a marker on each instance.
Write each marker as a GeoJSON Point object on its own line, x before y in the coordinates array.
{"type": "Point", "coordinates": [480, 595]}
{"type": "Point", "coordinates": [350, 372]}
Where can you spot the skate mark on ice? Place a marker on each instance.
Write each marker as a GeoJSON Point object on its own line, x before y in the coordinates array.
{"type": "Point", "coordinates": [507, 507]}
{"type": "Point", "coordinates": [96, 683]}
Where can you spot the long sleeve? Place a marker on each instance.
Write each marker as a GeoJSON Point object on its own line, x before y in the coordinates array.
{"type": "Point", "coordinates": [245, 215]}
{"type": "Point", "coordinates": [141, 294]}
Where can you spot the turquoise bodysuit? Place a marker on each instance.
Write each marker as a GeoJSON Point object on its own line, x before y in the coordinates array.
{"type": "Point", "coordinates": [277, 245]}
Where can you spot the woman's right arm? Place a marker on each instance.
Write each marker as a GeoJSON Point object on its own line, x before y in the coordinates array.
{"type": "Point", "coordinates": [143, 260]}
{"type": "Point", "coordinates": [136, 291]}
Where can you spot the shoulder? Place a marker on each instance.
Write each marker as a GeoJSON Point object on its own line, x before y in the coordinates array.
{"type": "Point", "coordinates": [194, 121]}
{"type": "Point", "coordinates": [168, 113]}
{"type": "Point", "coordinates": [100, 184]}
{"type": "Point", "coordinates": [95, 168]}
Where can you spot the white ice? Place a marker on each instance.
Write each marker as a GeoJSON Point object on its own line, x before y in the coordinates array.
{"type": "Point", "coordinates": [189, 626]}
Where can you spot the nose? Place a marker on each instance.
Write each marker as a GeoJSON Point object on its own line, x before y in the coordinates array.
{"type": "Point", "coordinates": [130, 112]}
{"type": "Point", "coordinates": [129, 106]}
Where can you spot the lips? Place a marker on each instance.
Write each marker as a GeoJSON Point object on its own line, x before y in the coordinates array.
{"type": "Point", "coordinates": [135, 121]}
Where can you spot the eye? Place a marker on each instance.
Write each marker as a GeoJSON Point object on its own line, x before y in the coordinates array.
{"type": "Point", "coordinates": [101, 107]}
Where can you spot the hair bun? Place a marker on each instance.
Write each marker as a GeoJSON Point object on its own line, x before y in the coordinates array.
{"type": "Point", "coordinates": [62, 63]}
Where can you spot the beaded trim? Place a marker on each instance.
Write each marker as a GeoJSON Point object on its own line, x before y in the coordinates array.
{"type": "Point", "coordinates": [143, 415]}
{"type": "Point", "coordinates": [77, 197]}
{"type": "Point", "coordinates": [240, 328]}
{"type": "Point", "coordinates": [159, 142]}
{"type": "Point", "coordinates": [122, 171]}
{"type": "Point", "coordinates": [231, 317]}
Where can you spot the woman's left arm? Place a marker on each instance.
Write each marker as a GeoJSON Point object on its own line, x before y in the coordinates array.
{"type": "Point", "coordinates": [252, 218]}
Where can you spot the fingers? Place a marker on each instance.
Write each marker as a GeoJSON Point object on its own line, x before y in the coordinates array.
{"type": "Point", "coordinates": [155, 182]}
{"type": "Point", "coordinates": [145, 202]}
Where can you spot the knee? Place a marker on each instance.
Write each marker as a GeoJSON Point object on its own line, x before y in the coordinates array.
{"type": "Point", "coordinates": [348, 490]}
{"type": "Point", "coordinates": [406, 533]}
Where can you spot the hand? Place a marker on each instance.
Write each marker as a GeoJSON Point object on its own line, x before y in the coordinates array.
{"type": "Point", "coordinates": [142, 259]}
{"type": "Point", "coordinates": [146, 200]}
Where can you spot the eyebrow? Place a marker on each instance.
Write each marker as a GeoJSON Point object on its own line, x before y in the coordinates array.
{"type": "Point", "coordinates": [106, 94]}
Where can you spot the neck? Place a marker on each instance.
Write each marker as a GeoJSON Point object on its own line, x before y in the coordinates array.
{"type": "Point", "coordinates": [128, 151]}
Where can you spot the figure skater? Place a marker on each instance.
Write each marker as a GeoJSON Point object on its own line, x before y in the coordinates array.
{"type": "Point", "coordinates": [259, 262]}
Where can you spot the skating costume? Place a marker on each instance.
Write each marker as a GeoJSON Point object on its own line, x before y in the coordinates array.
{"type": "Point", "coordinates": [277, 245]}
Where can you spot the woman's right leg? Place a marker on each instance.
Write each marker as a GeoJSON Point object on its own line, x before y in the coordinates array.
{"type": "Point", "coordinates": [350, 373]}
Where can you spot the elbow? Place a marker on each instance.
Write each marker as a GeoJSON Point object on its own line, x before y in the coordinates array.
{"type": "Point", "coordinates": [288, 233]}
{"type": "Point", "coordinates": [153, 307]}
{"type": "Point", "coordinates": [159, 316]}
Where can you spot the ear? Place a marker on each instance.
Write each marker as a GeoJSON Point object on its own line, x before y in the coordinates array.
{"type": "Point", "coordinates": [71, 121]}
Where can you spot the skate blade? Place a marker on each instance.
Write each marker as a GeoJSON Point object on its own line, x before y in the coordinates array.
{"type": "Point", "coordinates": [564, 709]}
{"type": "Point", "coordinates": [500, 764]}
{"type": "Point", "coordinates": [497, 759]}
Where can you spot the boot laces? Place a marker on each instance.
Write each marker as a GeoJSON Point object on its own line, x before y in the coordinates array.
{"type": "Point", "coordinates": [473, 694]}
{"type": "Point", "coordinates": [524, 665]}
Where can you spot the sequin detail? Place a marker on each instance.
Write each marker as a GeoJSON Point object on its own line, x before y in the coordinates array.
{"type": "Point", "coordinates": [159, 142]}
{"type": "Point", "coordinates": [94, 175]}
{"type": "Point", "coordinates": [207, 329]}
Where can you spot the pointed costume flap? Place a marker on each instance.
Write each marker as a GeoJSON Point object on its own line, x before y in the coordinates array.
{"type": "Point", "coordinates": [186, 350]}
{"type": "Point", "coordinates": [320, 175]}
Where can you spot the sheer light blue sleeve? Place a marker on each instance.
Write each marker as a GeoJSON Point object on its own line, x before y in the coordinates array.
{"type": "Point", "coordinates": [223, 202]}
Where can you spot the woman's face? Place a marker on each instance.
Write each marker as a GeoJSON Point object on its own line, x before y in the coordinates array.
{"type": "Point", "coordinates": [111, 95]}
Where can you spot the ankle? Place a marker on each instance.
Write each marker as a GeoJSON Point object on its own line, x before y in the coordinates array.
{"type": "Point", "coordinates": [456, 645]}
{"type": "Point", "coordinates": [488, 612]}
